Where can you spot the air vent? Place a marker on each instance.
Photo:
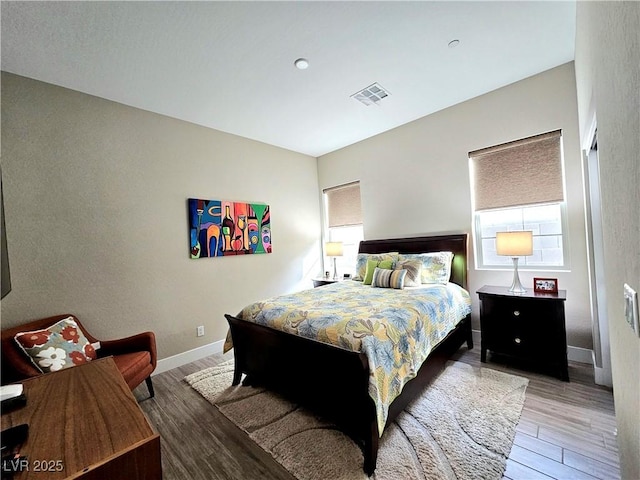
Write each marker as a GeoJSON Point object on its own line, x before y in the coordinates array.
{"type": "Point", "coordinates": [372, 95]}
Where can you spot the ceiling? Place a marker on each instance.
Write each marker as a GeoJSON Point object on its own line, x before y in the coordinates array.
{"type": "Point", "coordinates": [229, 65]}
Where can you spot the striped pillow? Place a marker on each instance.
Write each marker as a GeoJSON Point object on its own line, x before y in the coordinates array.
{"type": "Point", "coordinates": [414, 272]}
{"type": "Point", "coordinates": [388, 278]}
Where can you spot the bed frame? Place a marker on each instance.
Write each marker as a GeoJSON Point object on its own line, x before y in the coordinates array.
{"type": "Point", "coordinates": [332, 381]}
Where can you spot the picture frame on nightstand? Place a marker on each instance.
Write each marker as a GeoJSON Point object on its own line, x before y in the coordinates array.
{"type": "Point", "coordinates": [545, 285]}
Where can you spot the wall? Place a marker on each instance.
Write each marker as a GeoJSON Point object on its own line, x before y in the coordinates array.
{"type": "Point", "coordinates": [96, 215]}
{"type": "Point", "coordinates": [608, 83]}
{"type": "Point", "coordinates": [415, 178]}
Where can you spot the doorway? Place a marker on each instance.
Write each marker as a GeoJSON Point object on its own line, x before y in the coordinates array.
{"type": "Point", "coordinates": [595, 254]}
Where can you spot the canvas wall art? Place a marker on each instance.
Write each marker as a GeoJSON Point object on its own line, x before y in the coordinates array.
{"type": "Point", "coordinates": [220, 228]}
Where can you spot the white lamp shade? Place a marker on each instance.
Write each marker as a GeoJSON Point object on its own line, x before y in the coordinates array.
{"type": "Point", "coordinates": [333, 249]}
{"type": "Point", "coordinates": [514, 244]}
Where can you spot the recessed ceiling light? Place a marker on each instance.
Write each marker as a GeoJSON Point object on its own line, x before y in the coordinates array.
{"type": "Point", "coordinates": [454, 43]}
{"type": "Point", "coordinates": [301, 63]}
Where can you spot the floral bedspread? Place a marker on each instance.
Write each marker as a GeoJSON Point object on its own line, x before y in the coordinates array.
{"type": "Point", "coordinates": [396, 329]}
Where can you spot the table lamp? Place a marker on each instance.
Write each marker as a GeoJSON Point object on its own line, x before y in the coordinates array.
{"type": "Point", "coordinates": [515, 244]}
{"type": "Point", "coordinates": [333, 249]}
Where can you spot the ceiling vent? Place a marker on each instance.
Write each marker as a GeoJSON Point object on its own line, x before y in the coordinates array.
{"type": "Point", "coordinates": [372, 95]}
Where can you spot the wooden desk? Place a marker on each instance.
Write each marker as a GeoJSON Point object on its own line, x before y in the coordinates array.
{"type": "Point", "coordinates": [86, 421]}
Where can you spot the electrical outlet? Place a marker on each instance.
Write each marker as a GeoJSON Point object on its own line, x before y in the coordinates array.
{"type": "Point", "coordinates": [631, 308]}
{"type": "Point", "coordinates": [200, 331]}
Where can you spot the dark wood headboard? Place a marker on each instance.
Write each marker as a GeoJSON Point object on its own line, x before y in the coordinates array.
{"type": "Point", "coordinates": [440, 243]}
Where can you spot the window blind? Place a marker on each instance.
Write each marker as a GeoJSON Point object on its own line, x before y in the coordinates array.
{"type": "Point", "coordinates": [523, 172]}
{"type": "Point", "coordinates": [343, 205]}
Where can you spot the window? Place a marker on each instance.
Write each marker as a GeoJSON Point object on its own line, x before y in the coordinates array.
{"type": "Point", "coordinates": [519, 186]}
{"type": "Point", "coordinates": [544, 220]}
{"type": "Point", "coordinates": [344, 223]}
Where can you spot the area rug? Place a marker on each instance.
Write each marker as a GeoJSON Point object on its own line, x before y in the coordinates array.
{"type": "Point", "coordinates": [461, 427]}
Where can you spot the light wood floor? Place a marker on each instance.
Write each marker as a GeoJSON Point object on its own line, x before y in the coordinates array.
{"type": "Point", "coordinates": [566, 430]}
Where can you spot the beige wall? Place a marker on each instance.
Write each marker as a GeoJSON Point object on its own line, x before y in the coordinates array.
{"type": "Point", "coordinates": [608, 83]}
{"type": "Point", "coordinates": [96, 215]}
{"type": "Point", "coordinates": [415, 178]}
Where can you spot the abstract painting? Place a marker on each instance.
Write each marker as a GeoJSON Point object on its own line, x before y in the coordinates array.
{"type": "Point", "coordinates": [220, 228]}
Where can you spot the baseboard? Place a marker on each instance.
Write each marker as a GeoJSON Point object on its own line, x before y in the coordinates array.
{"type": "Point", "coordinates": [187, 357]}
{"type": "Point", "coordinates": [574, 354]}
{"type": "Point", "coordinates": [580, 355]}
{"type": "Point", "coordinates": [476, 338]}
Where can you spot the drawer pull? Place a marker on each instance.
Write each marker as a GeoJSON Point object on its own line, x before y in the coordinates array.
{"type": "Point", "coordinates": [517, 340]}
{"type": "Point", "coordinates": [516, 313]}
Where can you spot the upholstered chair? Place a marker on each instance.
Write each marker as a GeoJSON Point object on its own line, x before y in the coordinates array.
{"type": "Point", "coordinates": [134, 356]}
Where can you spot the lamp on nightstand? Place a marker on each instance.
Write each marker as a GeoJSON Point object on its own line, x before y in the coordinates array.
{"type": "Point", "coordinates": [333, 249]}
{"type": "Point", "coordinates": [515, 244]}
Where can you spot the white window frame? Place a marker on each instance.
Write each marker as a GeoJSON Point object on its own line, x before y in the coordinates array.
{"type": "Point", "coordinates": [508, 265]}
{"type": "Point", "coordinates": [347, 262]}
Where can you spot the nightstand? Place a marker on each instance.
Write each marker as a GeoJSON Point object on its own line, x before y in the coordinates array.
{"type": "Point", "coordinates": [319, 282]}
{"type": "Point", "coordinates": [528, 326]}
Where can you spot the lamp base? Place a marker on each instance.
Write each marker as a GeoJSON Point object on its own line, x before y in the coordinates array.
{"type": "Point", "coordinates": [516, 286]}
{"type": "Point", "coordinates": [335, 270]}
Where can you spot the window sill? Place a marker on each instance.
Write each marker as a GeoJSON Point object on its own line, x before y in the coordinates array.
{"type": "Point", "coordinates": [521, 268]}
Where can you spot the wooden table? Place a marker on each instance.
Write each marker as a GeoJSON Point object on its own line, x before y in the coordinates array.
{"type": "Point", "coordinates": [84, 423]}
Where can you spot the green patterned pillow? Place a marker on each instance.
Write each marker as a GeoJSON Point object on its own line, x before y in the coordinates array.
{"type": "Point", "coordinates": [414, 272]}
{"type": "Point", "coordinates": [436, 266]}
{"type": "Point", "coordinates": [372, 265]}
{"type": "Point", "coordinates": [389, 278]}
{"type": "Point", "coordinates": [361, 262]}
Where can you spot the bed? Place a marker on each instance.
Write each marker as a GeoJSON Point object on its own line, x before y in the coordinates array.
{"type": "Point", "coordinates": [338, 379]}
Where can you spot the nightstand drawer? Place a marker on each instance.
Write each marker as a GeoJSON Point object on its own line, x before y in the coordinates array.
{"type": "Point", "coordinates": [520, 310]}
{"type": "Point", "coordinates": [512, 339]}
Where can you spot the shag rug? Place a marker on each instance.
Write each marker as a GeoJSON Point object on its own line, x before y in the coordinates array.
{"type": "Point", "coordinates": [461, 427]}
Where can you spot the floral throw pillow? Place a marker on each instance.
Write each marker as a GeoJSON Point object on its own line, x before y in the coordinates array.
{"type": "Point", "coordinates": [62, 345]}
{"type": "Point", "coordinates": [436, 266]}
{"type": "Point", "coordinates": [414, 272]}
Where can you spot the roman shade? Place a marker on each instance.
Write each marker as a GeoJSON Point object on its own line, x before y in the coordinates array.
{"type": "Point", "coordinates": [523, 172]}
{"type": "Point", "coordinates": [343, 205]}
